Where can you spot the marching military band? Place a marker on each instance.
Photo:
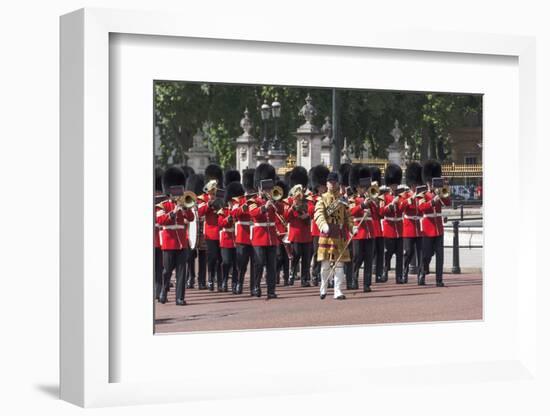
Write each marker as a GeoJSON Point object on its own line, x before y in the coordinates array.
{"type": "Point", "coordinates": [317, 228]}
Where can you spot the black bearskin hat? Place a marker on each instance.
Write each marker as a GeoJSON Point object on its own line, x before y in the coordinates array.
{"type": "Point", "coordinates": [263, 171]}
{"type": "Point", "coordinates": [188, 171]}
{"type": "Point", "coordinates": [158, 180]}
{"type": "Point", "coordinates": [248, 180]}
{"type": "Point", "coordinates": [318, 176]}
{"type": "Point", "coordinates": [231, 176]}
{"type": "Point", "coordinates": [393, 174]}
{"type": "Point", "coordinates": [233, 189]}
{"type": "Point", "coordinates": [431, 169]}
{"type": "Point", "coordinates": [413, 174]}
{"type": "Point", "coordinates": [376, 174]}
{"type": "Point", "coordinates": [343, 173]}
{"type": "Point", "coordinates": [284, 186]}
{"type": "Point", "coordinates": [287, 176]}
{"type": "Point", "coordinates": [298, 175]}
{"type": "Point", "coordinates": [173, 176]}
{"type": "Point", "coordinates": [214, 172]}
{"type": "Point", "coordinates": [195, 183]}
{"type": "Point", "coordinates": [358, 172]}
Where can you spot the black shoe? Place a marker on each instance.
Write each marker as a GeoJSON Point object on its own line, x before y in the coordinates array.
{"type": "Point", "coordinates": [315, 281]}
{"type": "Point", "coordinates": [323, 295]}
{"type": "Point", "coordinates": [211, 286]}
{"type": "Point", "coordinates": [278, 280]}
{"type": "Point", "coordinates": [202, 286]}
{"type": "Point", "coordinates": [440, 284]}
{"type": "Point", "coordinates": [171, 284]}
{"type": "Point", "coordinates": [180, 302]}
{"type": "Point", "coordinates": [285, 282]}
{"type": "Point", "coordinates": [331, 284]}
{"type": "Point", "coordinates": [190, 284]}
{"type": "Point", "coordinates": [421, 281]}
{"type": "Point", "coordinates": [258, 293]}
{"type": "Point", "coordinates": [378, 279]}
{"type": "Point", "coordinates": [385, 277]}
{"type": "Point", "coordinates": [405, 279]}
{"type": "Point", "coordinates": [162, 298]}
{"type": "Point", "coordinates": [305, 283]}
{"type": "Point", "coordinates": [271, 296]}
{"type": "Point", "coordinates": [291, 281]}
{"type": "Point", "coordinates": [367, 289]}
{"type": "Point", "coordinates": [341, 297]}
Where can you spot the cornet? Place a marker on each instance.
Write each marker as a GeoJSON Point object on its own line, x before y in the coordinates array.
{"type": "Point", "coordinates": [277, 193]}
{"type": "Point", "coordinates": [373, 191]}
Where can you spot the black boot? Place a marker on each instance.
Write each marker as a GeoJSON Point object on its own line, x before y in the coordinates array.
{"type": "Point", "coordinates": [315, 281]}
{"type": "Point", "coordinates": [421, 279]}
{"type": "Point", "coordinates": [190, 283]}
{"type": "Point", "coordinates": [304, 282]}
{"type": "Point", "coordinates": [384, 277]}
{"type": "Point", "coordinates": [439, 282]}
{"type": "Point", "coordinates": [162, 296]}
{"type": "Point", "coordinates": [291, 279]}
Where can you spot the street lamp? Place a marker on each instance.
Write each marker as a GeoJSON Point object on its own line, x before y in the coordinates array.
{"type": "Point", "coordinates": [276, 111]}
{"type": "Point", "coordinates": [265, 116]}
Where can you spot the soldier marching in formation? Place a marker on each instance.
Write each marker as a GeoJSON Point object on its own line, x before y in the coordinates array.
{"type": "Point", "coordinates": [329, 227]}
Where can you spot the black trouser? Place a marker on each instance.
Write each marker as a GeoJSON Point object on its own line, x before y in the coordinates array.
{"type": "Point", "coordinates": [158, 271]}
{"type": "Point", "coordinates": [363, 252]}
{"type": "Point", "coordinates": [214, 261]}
{"type": "Point", "coordinates": [431, 246]}
{"type": "Point", "coordinates": [412, 245]}
{"type": "Point", "coordinates": [348, 271]}
{"type": "Point", "coordinates": [301, 254]}
{"type": "Point", "coordinates": [282, 262]}
{"type": "Point", "coordinates": [265, 256]}
{"type": "Point", "coordinates": [378, 257]}
{"type": "Point", "coordinates": [316, 269]}
{"type": "Point", "coordinates": [244, 254]}
{"type": "Point", "coordinates": [174, 259]}
{"type": "Point", "coordinates": [191, 266]}
{"type": "Point", "coordinates": [394, 246]}
{"type": "Point", "coordinates": [229, 263]}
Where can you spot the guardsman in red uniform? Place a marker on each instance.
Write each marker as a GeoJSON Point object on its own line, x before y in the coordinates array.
{"type": "Point", "coordinates": [378, 261]}
{"type": "Point", "coordinates": [412, 233]}
{"type": "Point", "coordinates": [159, 197]}
{"type": "Point", "coordinates": [264, 233]}
{"type": "Point", "coordinates": [226, 221]}
{"type": "Point", "coordinates": [172, 219]}
{"type": "Point", "coordinates": [392, 224]}
{"type": "Point", "coordinates": [361, 210]}
{"type": "Point", "coordinates": [195, 183]}
{"type": "Point", "coordinates": [432, 222]}
{"type": "Point", "coordinates": [317, 181]}
{"type": "Point", "coordinates": [243, 222]}
{"type": "Point", "coordinates": [206, 208]}
{"type": "Point", "coordinates": [298, 216]}
{"type": "Point", "coordinates": [284, 251]}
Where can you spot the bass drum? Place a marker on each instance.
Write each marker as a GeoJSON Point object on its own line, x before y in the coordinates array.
{"type": "Point", "coordinates": [193, 233]}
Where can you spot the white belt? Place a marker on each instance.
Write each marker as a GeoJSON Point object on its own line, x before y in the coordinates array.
{"type": "Point", "coordinates": [434, 215]}
{"type": "Point", "coordinates": [264, 224]}
{"type": "Point", "coordinates": [394, 219]}
{"type": "Point", "coordinates": [173, 227]}
{"type": "Point", "coordinates": [412, 217]}
{"type": "Point", "coordinates": [247, 223]}
{"type": "Point", "coordinates": [228, 230]}
{"type": "Point", "coordinates": [358, 220]}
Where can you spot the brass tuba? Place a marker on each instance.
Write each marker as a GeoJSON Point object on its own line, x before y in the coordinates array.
{"type": "Point", "coordinates": [187, 200]}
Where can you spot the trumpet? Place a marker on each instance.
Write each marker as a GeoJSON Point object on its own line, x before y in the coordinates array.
{"type": "Point", "coordinates": [187, 200]}
{"type": "Point", "coordinates": [444, 191]}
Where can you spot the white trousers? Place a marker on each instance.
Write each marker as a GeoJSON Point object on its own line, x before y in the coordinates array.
{"type": "Point", "coordinates": [338, 278]}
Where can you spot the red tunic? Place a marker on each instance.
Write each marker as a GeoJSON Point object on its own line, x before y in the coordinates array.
{"type": "Point", "coordinates": [282, 231]}
{"type": "Point", "coordinates": [211, 229]}
{"type": "Point", "coordinates": [299, 225]}
{"type": "Point", "coordinates": [173, 231]}
{"type": "Point", "coordinates": [315, 232]}
{"type": "Point", "coordinates": [227, 229]}
{"type": "Point", "coordinates": [432, 221]}
{"type": "Point", "coordinates": [366, 230]}
{"type": "Point", "coordinates": [243, 222]}
{"type": "Point", "coordinates": [264, 232]}
{"type": "Point", "coordinates": [411, 216]}
{"type": "Point", "coordinates": [392, 224]}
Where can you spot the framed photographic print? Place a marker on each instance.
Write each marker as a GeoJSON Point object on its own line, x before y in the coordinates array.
{"type": "Point", "coordinates": [143, 99]}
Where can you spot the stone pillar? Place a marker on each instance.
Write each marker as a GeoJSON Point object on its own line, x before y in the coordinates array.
{"type": "Point", "coordinates": [246, 145]}
{"type": "Point", "coordinates": [308, 138]}
{"type": "Point", "coordinates": [326, 141]}
{"type": "Point", "coordinates": [199, 155]}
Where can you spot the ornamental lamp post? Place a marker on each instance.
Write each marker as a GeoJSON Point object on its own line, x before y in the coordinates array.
{"type": "Point", "coordinates": [265, 117]}
{"type": "Point", "coordinates": [276, 112]}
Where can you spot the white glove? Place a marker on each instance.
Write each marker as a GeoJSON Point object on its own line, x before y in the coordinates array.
{"type": "Point", "coordinates": [325, 229]}
{"type": "Point", "coordinates": [354, 230]}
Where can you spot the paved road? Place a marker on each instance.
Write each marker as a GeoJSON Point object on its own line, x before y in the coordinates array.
{"type": "Point", "coordinates": [461, 299]}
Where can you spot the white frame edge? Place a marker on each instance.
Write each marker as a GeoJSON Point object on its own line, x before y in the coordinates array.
{"type": "Point", "coordinates": [84, 130]}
